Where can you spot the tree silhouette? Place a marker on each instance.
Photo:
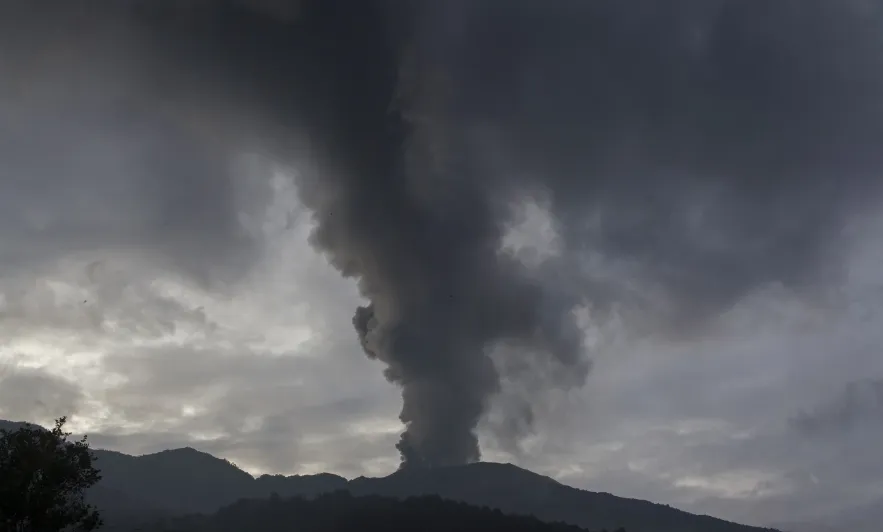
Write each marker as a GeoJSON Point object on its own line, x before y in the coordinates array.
{"type": "Point", "coordinates": [43, 479]}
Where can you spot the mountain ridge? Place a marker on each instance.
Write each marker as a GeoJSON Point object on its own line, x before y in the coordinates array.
{"type": "Point", "coordinates": [183, 481]}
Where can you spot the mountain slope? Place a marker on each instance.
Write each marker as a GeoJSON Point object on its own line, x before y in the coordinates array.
{"type": "Point", "coordinates": [189, 481]}
{"type": "Point", "coordinates": [518, 491]}
{"type": "Point", "coordinates": [180, 480]}
{"type": "Point", "coordinates": [186, 481]}
{"type": "Point", "coordinates": [341, 512]}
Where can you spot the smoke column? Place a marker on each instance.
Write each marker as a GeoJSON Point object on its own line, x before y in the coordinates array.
{"type": "Point", "coordinates": [721, 145]}
{"type": "Point", "coordinates": [699, 149]}
{"type": "Point", "coordinates": [420, 230]}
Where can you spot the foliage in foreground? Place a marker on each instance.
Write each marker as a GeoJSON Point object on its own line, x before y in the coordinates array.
{"type": "Point", "coordinates": [43, 481]}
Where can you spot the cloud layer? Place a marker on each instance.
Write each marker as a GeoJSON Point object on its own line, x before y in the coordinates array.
{"type": "Point", "coordinates": [683, 193]}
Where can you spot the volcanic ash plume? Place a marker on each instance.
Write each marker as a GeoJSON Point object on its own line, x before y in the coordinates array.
{"type": "Point", "coordinates": [421, 232]}
{"type": "Point", "coordinates": [700, 150]}
{"type": "Point", "coordinates": [690, 152]}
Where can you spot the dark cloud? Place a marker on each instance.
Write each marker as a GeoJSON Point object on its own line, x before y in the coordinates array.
{"type": "Point", "coordinates": [96, 297]}
{"type": "Point", "coordinates": [420, 229]}
{"type": "Point", "coordinates": [106, 145]}
{"type": "Point", "coordinates": [707, 148]}
{"type": "Point", "coordinates": [718, 146]}
{"type": "Point", "coordinates": [33, 395]}
{"type": "Point", "coordinates": [860, 404]}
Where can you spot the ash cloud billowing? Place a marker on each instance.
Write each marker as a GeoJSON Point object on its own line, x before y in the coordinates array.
{"type": "Point", "coordinates": [704, 149]}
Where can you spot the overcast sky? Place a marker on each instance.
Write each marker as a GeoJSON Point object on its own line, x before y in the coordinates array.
{"type": "Point", "coordinates": [160, 306]}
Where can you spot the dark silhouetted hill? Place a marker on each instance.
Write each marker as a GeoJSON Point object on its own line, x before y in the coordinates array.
{"type": "Point", "coordinates": [518, 491]}
{"type": "Point", "coordinates": [186, 481]}
{"type": "Point", "coordinates": [342, 512]}
{"type": "Point", "coordinates": [183, 481]}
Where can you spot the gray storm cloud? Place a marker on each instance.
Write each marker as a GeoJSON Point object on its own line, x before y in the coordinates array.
{"type": "Point", "coordinates": [704, 149]}
{"type": "Point", "coordinates": [860, 403]}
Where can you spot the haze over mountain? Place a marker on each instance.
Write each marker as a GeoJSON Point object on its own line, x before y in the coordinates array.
{"type": "Point", "coordinates": [631, 245]}
{"type": "Point", "coordinates": [860, 518]}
